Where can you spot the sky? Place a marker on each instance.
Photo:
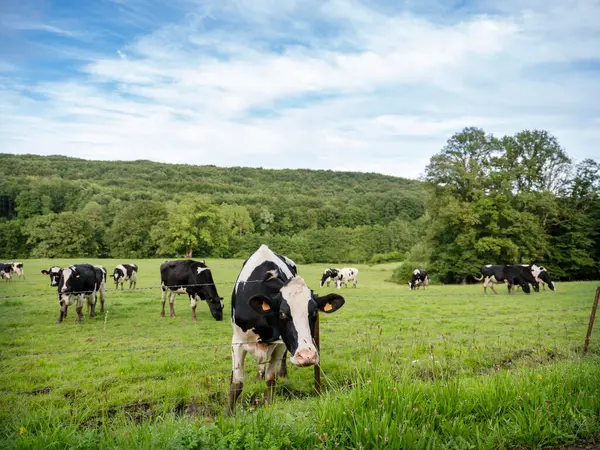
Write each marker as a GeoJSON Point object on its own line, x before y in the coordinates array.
{"type": "Point", "coordinates": [370, 86]}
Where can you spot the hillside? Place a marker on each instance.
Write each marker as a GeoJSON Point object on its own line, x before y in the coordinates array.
{"type": "Point", "coordinates": [278, 202]}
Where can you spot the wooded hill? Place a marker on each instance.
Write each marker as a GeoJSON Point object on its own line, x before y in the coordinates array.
{"type": "Point", "coordinates": [59, 206]}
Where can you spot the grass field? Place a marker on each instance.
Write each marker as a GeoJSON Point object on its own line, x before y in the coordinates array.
{"type": "Point", "coordinates": [441, 368]}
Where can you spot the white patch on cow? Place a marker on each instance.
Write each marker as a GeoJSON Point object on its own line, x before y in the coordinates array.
{"type": "Point", "coordinates": [201, 269]}
{"type": "Point", "coordinates": [66, 276]}
{"type": "Point", "coordinates": [260, 256]}
{"type": "Point", "coordinates": [123, 271]}
{"type": "Point", "coordinates": [297, 294]}
{"type": "Point", "coordinates": [416, 272]}
{"type": "Point", "coordinates": [488, 265]}
{"type": "Point", "coordinates": [180, 291]}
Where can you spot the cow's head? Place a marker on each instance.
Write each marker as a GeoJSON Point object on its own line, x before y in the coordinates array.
{"type": "Point", "coordinates": [526, 288]}
{"type": "Point", "coordinates": [54, 274]}
{"type": "Point", "coordinates": [208, 292]}
{"type": "Point", "coordinates": [292, 308]}
{"type": "Point", "coordinates": [328, 274]}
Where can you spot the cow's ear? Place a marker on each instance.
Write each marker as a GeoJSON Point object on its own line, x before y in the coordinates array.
{"type": "Point", "coordinates": [45, 272]}
{"type": "Point", "coordinates": [330, 303]}
{"type": "Point", "coordinates": [263, 304]}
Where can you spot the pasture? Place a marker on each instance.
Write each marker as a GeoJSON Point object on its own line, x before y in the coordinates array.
{"type": "Point", "coordinates": [444, 367]}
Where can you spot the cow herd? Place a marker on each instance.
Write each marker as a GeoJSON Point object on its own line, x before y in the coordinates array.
{"type": "Point", "coordinates": [273, 311]}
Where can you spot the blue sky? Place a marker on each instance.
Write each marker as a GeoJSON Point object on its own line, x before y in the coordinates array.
{"type": "Point", "coordinates": [374, 86]}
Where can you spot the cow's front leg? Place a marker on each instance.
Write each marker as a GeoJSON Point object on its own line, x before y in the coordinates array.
{"type": "Point", "coordinates": [92, 302]}
{"type": "Point", "coordinates": [172, 303]}
{"type": "Point", "coordinates": [238, 354]}
{"type": "Point", "coordinates": [79, 307]}
{"type": "Point", "coordinates": [193, 304]}
{"type": "Point", "coordinates": [273, 371]}
{"type": "Point", "coordinates": [63, 312]}
{"type": "Point", "coordinates": [283, 369]}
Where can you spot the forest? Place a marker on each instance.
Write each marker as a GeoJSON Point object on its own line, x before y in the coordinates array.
{"type": "Point", "coordinates": [483, 199]}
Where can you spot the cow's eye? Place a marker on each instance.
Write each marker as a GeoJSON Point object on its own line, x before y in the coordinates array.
{"type": "Point", "coordinates": [283, 315]}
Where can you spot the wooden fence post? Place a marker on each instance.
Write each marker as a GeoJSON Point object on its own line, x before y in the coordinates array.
{"type": "Point", "coordinates": [318, 366]}
{"type": "Point", "coordinates": [591, 324]}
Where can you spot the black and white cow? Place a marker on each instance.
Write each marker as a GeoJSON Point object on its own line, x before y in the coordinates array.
{"type": "Point", "coordinates": [193, 278]}
{"type": "Point", "coordinates": [541, 276]}
{"type": "Point", "coordinates": [511, 275]}
{"type": "Point", "coordinates": [346, 275]}
{"type": "Point", "coordinates": [54, 274]}
{"type": "Point", "coordinates": [272, 311]}
{"type": "Point", "coordinates": [6, 270]}
{"type": "Point", "coordinates": [419, 278]}
{"type": "Point", "coordinates": [18, 269]}
{"type": "Point", "coordinates": [329, 275]}
{"type": "Point", "coordinates": [77, 282]}
{"type": "Point", "coordinates": [125, 272]}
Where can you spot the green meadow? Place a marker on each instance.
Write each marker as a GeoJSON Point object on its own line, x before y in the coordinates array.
{"type": "Point", "coordinates": [445, 367]}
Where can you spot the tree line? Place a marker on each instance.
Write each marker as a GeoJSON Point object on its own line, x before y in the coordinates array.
{"type": "Point", "coordinates": [483, 199]}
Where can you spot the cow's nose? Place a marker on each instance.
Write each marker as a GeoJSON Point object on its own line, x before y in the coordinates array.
{"type": "Point", "coordinates": [306, 358]}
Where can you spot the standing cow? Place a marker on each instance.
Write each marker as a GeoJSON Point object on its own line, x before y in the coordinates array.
{"type": "Point", "coordinates": [125, 272]}
{"type": "Point", "coordinates": [77, 282]}
{"type": "Point", "coordinates": [419, 278]}
{"type": "Point", "coordinates": [18, 269]}
{"type": "Point", "coordinates": [193, 278]}
{"type": "Point", "coordinates": [511, 275]}
{"type": "Point", "coordinates": [346, 275]}
{"type": "Point", "coordinates": [272, 311]}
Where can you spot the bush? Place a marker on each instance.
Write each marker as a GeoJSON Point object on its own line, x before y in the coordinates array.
{"type": "Point", "coordinates": [403, 273]}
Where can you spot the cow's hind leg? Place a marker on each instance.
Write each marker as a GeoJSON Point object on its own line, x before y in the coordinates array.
{"type": "Point", "coordinates": [92, 303]}
{"type": "Point", "coordinates": [172, 303]}
{"type": "Point", "coordinates": [273, 371]}
{"type": "Point", "coordinates": [164, 300]}
{"type": "Point", "coordinates": [238, 354]}
{"type": "Point", "coordinates": [193, 304]}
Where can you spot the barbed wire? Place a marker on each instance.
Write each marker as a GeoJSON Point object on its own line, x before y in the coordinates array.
{"type": "Point", "coordinates": [443, 337]}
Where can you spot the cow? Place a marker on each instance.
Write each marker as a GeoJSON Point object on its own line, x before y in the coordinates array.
{"type": "Point", "coordinates": [193, 278]}
{"type": "Point", "coordinates": [329, 275]}
{"type": "Point", "coordinates": [511, 275]}
{"type": "Point", "coordinates": [419, 278]}
{"type": "Point", "coordinates": [346, 275]}
{"type": "Point", "coordinates": [54, 273]}
{"type": "Point", "coordinates": [541, 276]}
{"type": "Point", "coordinates": [125, 272]}
{"type": "Point", "coordinates": [77, 282]}
{"type": "Point", "coordinates": [273, 310]}
{"type": "Point", "coordinates": [6, 270]}
{"type": "Point", "coordinates": [18, 269]}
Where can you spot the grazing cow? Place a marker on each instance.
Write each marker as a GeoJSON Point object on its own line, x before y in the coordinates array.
{"type": "Point", "coordinates": [54, 274]}
{"type": "Point", "coordinates": [511, 275]}
{"type": "Point", "coordinates": [18, 269]}
{"type": "Point", "coordinates": [77, 282]}
{"type": "Point", "coordinates": [541, 276]}
{"type": "Point", "coordinates": [125, 272]}
{"type": "Point", "coordinates": [193, 278]}
{"type": "Point", "coordinates": [329, 275]}
{"type": "Point", "coordinates": [346, 275]}
{"type": "Point", "coordinates": [6, 271]}
{"type": "Point", "coordinates": [273, 311]}
{"type": "Point", "coordinates": [419, 278]}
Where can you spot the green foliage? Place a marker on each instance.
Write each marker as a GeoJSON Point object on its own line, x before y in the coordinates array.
{"type": "Point", "coordinates": [511, 200]}
{"type": "Point", "coordinates": [403, 273]}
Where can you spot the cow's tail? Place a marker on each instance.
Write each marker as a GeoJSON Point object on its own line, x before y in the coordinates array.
{"type": "Point", "coordinates": [478, 279]}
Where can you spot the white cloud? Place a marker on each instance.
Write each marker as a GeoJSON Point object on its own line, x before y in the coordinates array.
{"type": "Point", "coordinates": [335, 85]}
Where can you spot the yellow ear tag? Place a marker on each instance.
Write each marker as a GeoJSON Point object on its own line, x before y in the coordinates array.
{"type": "Point", "coordinates": [265, 306]}
{"type": "Point", "coordinates": [327, 307]}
